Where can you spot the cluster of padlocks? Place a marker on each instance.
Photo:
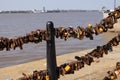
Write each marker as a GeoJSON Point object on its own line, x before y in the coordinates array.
{"type": "Point", "coordinates": [61, 32]}
{"type": "Point", "coordinates": [34, 37]}
{"type": "Point", "coordinates": [37, 75]}
{"type": "Point", "coordinates": [69, 68]}
{"type": "Point", "coordinates": [81, 32]}
{"type": "Point", "coordinates": [114, 74]}
{"type": "Point", "coordinates": [78, 63]}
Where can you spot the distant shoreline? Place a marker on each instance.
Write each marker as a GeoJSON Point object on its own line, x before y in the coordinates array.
{"type": "Point", "coordinates": [47, 11]}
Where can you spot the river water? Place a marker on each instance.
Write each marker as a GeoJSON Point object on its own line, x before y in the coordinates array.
{"type": "Point", "coordinates": [19, 24]}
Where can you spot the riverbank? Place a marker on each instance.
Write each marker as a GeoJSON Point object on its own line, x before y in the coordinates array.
{"type": "Point", "coordinates": [94, 72]}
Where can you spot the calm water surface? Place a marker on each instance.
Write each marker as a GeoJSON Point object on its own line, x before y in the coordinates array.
{"type": "Point", "coordinates": [12, 25]}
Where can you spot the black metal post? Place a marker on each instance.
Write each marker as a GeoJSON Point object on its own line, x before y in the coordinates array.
{"type": "Point", "coordinates": [51, 52]}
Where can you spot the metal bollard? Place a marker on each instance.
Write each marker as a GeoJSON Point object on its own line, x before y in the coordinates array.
{"type": "Point", "coordinates": [51, 52]}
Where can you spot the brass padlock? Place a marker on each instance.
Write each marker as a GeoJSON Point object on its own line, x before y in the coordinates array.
{"type": "Point", "coordinates": [47, 77]}
{"type": "Point", "coordinates": [67, 68]}
{"type": "Point", "coordinates": [100, 30]}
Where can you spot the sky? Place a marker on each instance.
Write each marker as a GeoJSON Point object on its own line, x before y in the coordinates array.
{"type": "Point", "coordinates": [56, 4]}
